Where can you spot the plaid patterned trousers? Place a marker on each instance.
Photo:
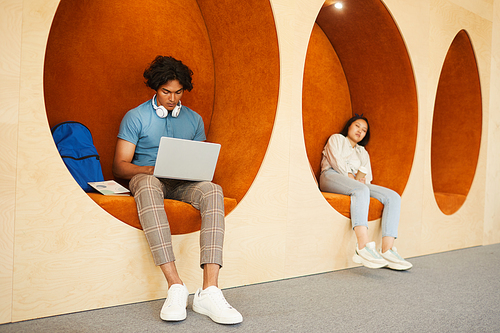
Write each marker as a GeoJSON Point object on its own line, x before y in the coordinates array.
{"type": "Point", "coordinates": [207, 197]}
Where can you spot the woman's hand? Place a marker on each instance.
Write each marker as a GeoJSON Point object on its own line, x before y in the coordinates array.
{"type": "Point", "coordinates": [360, 177]}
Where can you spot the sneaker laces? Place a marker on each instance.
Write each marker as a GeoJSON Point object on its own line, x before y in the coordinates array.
{"type": "Point", "coordinates": [394, 251]}
{"type": "Point", "coordinates": [174, 296]}
{"type": "Point", "coordinates": [219, 299]}
{"type": "Point", "coordinates": [370, 248]}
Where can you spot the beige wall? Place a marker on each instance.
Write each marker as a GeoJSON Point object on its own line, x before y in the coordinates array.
{"type": "Point", "coordinates": [59, 252]}
{"type": "Point", "coordinates": [10, 53]}
{"type": "Point", "coordinates": [492, 190]}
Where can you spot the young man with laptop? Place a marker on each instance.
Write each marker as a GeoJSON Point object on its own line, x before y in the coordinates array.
{"type": "Point", "coordinates": [135, 158]}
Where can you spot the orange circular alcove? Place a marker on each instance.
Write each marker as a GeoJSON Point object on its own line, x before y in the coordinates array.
{"type": "Point", "coordinates": [456, 126]}
{"type": "Point", "coordinates": [97, 51]}
{"type": "Point", "coordinates": [357, 62]}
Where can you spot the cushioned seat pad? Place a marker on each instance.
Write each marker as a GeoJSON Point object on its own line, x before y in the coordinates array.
{"type": "Point", "coordinates": [342, 204]}
{"type": "Point", "coordinates": [183, 217]}
{"type": "Point", "coordinates": [448, 202]}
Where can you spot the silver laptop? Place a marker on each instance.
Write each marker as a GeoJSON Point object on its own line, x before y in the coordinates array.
{"type": "Point", "coordinates": [186, 159]}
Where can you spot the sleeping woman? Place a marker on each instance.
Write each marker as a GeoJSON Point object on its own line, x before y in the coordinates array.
{"type": "Point", "coordinates": [346, 169]}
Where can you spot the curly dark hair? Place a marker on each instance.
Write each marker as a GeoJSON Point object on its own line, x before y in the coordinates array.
{"type": "Point", "coordinates": [345, 130]}
{"type": "Point", "coordinates": [164, 69]}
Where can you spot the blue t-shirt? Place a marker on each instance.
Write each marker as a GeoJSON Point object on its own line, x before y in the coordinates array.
{"type": "Point", "coordinates": [142, 127]}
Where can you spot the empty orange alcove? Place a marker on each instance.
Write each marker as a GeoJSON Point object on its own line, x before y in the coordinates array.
{"type": "Point", "coordinates": [97, 52]}
{"type": "Point", "coordinates": [456, 126]}
{"type": "Point", "coordinates": [357, 62]}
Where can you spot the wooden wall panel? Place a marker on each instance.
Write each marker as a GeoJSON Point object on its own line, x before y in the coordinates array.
{"type": "Point", "coordinates": [482, 8]}
{"type": "Point", "coordinates": [464, 228]}
{"type": "Point", "coordinates": [10, 59]}
{"type": "Point", "coordinates": [492, 208]}
{"type": "Point", "coordinates": [71, 256]}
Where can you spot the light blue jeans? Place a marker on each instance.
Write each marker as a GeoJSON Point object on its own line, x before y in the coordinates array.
{"type": "Point", "coordinates": [333, 182]}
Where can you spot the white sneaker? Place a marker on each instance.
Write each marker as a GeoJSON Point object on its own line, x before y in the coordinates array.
{"type": "Point", "coordinates": [211, 302]}
{"type": "Point", "coordinates": [174, 308]}
{"type": "Point", "coordinates": [395, 260]}
{"type": "Point", "coordinates": [369, 257]}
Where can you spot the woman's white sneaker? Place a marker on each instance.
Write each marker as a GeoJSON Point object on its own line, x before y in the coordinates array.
{"type": "Point", "coordinates": [174, 308]}
{"type": "Point", "coordinates": [369, 257]}
{"type": "Point", "coordinates": [211, 302]}
{"type": "Point", "coordinates": [395, 260]}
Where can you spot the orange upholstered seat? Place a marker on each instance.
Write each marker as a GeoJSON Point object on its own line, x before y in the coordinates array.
{"type": "Point", "coordinates": [93, 74]}
{"type": "Point", "coordinates": [342, 204]}
{"type": "Point", "coordinates": [357, 63]}
{"type": "Point", "coordinates": [187, 218]}
{"type": "Point", "coordinates": [456, 126]}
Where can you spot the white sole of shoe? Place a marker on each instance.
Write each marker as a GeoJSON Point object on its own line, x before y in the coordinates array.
{"type": "Point", "coordinates": [360, 260]}
{"type": "Point", "coordinates": [170, 317]}
{"type": "Point", "coordinates": [398, 267]}
{"type": "Point", "coordinates": [174, 316]}
{"type": "Point", "coordinates": [225, 321]}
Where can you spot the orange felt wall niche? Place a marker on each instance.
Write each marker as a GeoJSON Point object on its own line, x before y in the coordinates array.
{"type": "Point", "coordinates": [357, 62]}
{"type": "Point", "coordinates": [97, 52]}
{"type": "Point", "coordinates": [246, 60]}
{"type": "Point", "coordinates": [456, 126]}
{"type": "Point", "coordinates": [94, 62]}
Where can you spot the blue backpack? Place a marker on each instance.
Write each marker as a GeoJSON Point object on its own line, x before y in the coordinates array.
{"type": "Point", "coordinates": [76, 146]}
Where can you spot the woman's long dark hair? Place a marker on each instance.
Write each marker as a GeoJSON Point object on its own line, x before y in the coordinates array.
{"type": "Point", "coordinates": [345, 130]}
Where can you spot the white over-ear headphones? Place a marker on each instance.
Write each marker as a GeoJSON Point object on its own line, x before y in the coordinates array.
{"type": "Point", "coordinates": [162, 112]}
